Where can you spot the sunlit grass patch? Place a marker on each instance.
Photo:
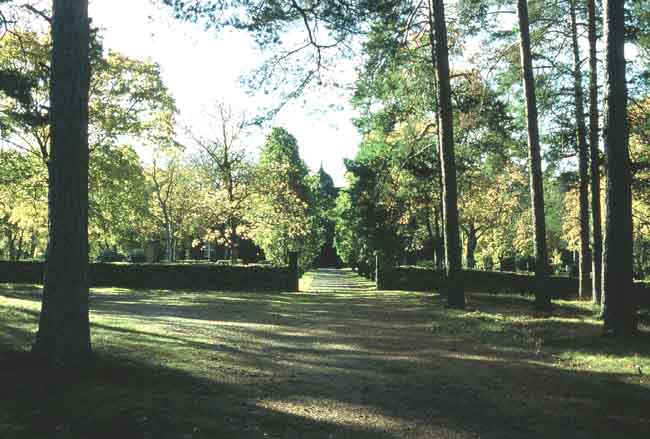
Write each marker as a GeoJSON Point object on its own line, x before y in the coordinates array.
{"type": "Point", "coordinates": [569, 337]}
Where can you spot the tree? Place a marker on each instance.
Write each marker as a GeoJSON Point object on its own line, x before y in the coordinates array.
{"type": "Point", "coordinates": [283, 214]}
{"type": "Point", "coordinates": [542, 297]}
{"type": "Point", "coordinates": [23, 204]}
{"type": "Point", "coordinates": [128, 102]}
{"type": "Point", "coordinates": [347, 238]}
{"type": "Point", "coordinates": [63, 336]}
{"type": "Point", "coordinates": [619, 304]}
{"type": "Point", "coordinates": [127, 97]}
{"type": "Point", "coordinates": [583, 155]}
{"type": "Point", "coordinates": [326, 194]}
{"type": "Point", "coordinates": [118, 199]}
{"type": "Point", "coordinates": [490, 211]}
{"type": "Point", "coordinates": [325, 32]}
{"type": "Point", "coordinates": [455, 293]}
{"type": "Point", "coordinates": [594, 157]}
{"type": "Point", "coordinates": [225, 164]}
{"type": "Point", "coordinates": [176, 199]}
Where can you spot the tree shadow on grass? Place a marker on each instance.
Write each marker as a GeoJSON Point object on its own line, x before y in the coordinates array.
{"type": "Point", "coordinates": [115, 398]}
{"type": "Point", "coordinates": [505, 321]}
{"type": "Point", "coordinates": [522, 305]}
{"type": "Point", "coordinates": [452, 396]}
{"type": "Point", "coordinates": [332, 366]}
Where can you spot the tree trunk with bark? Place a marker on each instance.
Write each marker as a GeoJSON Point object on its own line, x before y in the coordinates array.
{"type": "Point", "coordinates": [169, 239]}
{"type": "Point", "coordinates": [597, 233]}
{"type": "Point", "coordinates": [542, 298]}
{"type": "Point", "coordinates": [32, 245]}
{"type": "Point", "coordinates": [11, 243]}
{"type": "Point", "coordinates": [619, 304]}
{"type": "Point", "coordinates": [432, 238]}
{"type": "Point", "coordinates": [472, 242]}
{"type": "Point", "coordinates": [19, 247]}
{"type": "Point", "coordinates": [440, 244]}
{"type": "Point", "coordinates": [583, 159]}
{"type": "Point", "coordinates": [234, 242]}
{"type": "Point", "coordinates": [455, 293]}
{"type": "Point", "coordinates": [63, 336]}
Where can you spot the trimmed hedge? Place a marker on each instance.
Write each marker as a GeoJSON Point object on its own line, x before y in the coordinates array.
{"type": "Point", "coordinates": [165, 276]}
{"type": "Point", "coordinates": [425, 279]}
{"type": "Point", "coordinates": [21, 272]}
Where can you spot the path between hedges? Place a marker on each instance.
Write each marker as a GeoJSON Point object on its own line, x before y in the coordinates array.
{"type": "Point", "coordinates": [369, 371]}
{"type": "Point", "coordinates": [328, 280]}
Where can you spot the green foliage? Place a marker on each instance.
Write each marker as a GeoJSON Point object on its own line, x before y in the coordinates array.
{"type": "Point", "coordinates": [128, 102]}
{"type": "Point", "coordinates": [118, 198]}
{"type": "Point", "coordinates": [176, 201]}
{"type": "Point", "coordinates": [23, 212]}
{"type": "Point", "coordinates": [284, 214]}
{"type": "Point", "coordinates": [397, 167]}
{"type": "Point", "coordinates": [226, 171]}
{"type": "Point", "coordinates": [109, 255]}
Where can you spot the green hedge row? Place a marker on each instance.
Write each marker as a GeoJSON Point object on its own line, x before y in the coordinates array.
{"type": "Point", "coordinates": [166, 276]}
{"type": "Point", "coordinates": [426, 279]}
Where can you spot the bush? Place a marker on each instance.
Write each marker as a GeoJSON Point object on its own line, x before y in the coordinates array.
{"type": "Point", "coordinates": [525, 263]}
{"type": "Point", "coordinates": [486, 262]}
{"type": "Point", "coordinates": [109, 255]}
{"type": "Point", "coordinates": [137, 256]}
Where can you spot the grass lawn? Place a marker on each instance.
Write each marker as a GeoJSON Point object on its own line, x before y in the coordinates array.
{"type": "Point", "coordinates": [341, 361]}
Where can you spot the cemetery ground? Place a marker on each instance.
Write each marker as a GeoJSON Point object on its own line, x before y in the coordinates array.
{"type": "Point", "coordinates": [339, 360]}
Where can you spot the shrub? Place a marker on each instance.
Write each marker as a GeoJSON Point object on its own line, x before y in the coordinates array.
{"type": "Point", "coordinates": [137, 256]}
{"type": "Point", "coordinates": [525, 263]}
{"type": "Point", "coordinates": [486, 262]}
{"type": "Point", "coordinates": [110, 255]}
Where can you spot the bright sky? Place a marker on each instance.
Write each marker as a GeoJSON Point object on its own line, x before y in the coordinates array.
{"type": "Point", "coordinates": [200, 67]}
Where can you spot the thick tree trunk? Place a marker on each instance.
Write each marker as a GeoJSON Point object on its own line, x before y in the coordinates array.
{"type": "Point", "coordinates": [11, 243]}
{"type": "Point", "coordinates": [440, 229]}
{"type": "Point", "coordinates": [438, 210]}
{"type": "Point", "coordinates": [234, 243]}
{"type": "Point", "coordinates": [432, 238]}
{"type": "Point", "coordinates": [439, 243]}
{"type": "Point", "coordinates": [542, 298]}
{"type": "Point", "coordinates": [597, 233]}
{"type": "Point", "coordinates": [472, 242]}
{"type": "Point", "coordinates": [63, 336]}
{"type": "Point", "coordinates": [19, 247]}
{"type": "Point", "coordinates": [169, 252]}
{"type": "Point", "coordinates": [455, 293]}
{"type": "Point", "coordinates": [32, 245]}
{"type": "Point", "coordinates": [583, 159]}
{"type": "Point", "coordinates": [619, 305]}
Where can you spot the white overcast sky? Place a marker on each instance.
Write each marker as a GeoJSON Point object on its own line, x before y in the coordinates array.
{"type": "Point", "coordinates": [200, 67]}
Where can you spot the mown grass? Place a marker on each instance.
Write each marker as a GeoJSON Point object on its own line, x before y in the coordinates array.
{"type": "Point", "coordinates": [345, 362]}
